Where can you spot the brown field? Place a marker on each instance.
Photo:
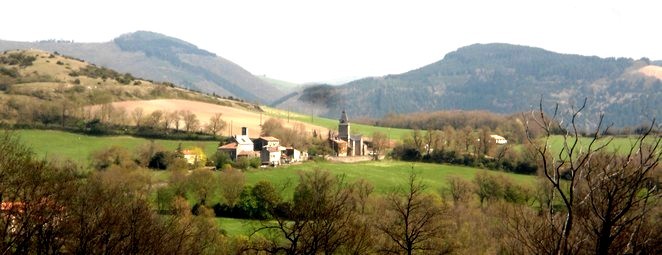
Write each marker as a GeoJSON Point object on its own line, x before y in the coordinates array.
{"type": "Point", "coordinates": [651, 70]}
{"type": "Point", "coordinates": [234, 117]}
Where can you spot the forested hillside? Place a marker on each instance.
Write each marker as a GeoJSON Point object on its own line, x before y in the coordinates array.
{"type": "Point", "coordinates": [165, 59]}
{"type": "Point", "coordinates": [503, 78]}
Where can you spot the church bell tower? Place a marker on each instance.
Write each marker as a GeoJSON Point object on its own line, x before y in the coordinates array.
{"type": "Point", "coordinates": [343, 127]}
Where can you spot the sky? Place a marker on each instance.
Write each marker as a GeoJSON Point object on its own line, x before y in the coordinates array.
{"type": "Point", "coordinates": [336, 41]}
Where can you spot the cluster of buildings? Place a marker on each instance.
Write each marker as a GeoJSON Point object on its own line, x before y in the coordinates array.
{"type": "Point", "coordinates": [267, 148]}
{"type": "Point", "coordinates": [345, 144]}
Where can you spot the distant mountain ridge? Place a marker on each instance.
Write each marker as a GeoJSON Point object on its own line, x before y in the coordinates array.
{"type": "Point", "coordinates": [163, 58]}
{"type": "Point", "coordinates": [500, 78]}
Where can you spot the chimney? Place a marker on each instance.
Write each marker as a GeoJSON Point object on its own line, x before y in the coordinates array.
{"type": "Point", "coordinates": [244, 131]}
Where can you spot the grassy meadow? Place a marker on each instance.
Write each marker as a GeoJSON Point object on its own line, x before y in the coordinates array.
{"type": "Point", "coordinates": [53, 144]}
{"type": "Point", "coordinates": [385, 175]}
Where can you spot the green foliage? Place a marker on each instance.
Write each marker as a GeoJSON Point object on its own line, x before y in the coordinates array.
{"type": "Point", "coordinates": [19, 59]}
{"type": "Point", "coordinates": [221, 159]}
{"type": "Point", "coordinates": [93, 71]}
{"type": "Point", "coordinates": [113, 156]}
{"type": "Point", "coordinates": [11, 72]}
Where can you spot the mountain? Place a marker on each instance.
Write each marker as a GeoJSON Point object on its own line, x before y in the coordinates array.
{"type": "Point", "coordinates": [162, 58]}
{"type": "Point", "coordinates": [500, 78]}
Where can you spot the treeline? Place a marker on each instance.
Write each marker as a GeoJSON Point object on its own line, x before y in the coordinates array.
{"type": "Point", "coordinates": [107, 119]}
{"type": "Point", "coordinates": [467, 146]}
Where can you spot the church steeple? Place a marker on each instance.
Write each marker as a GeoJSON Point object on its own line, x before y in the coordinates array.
{"type": "Point", "coordinates": [343, 127]}
{"type": "Point", "coordinates": [343, 117]}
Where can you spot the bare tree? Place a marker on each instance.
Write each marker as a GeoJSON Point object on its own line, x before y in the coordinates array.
{"type": "Point", "coordinates": [379, 144]}
{"type": "Point", "coordinates": [155, 118]}
{"type": "Point", "coordinates": [171, 119]}
{"type": "Point", "coordinates": [190, 120]}
{"type": "Point", "coordinates": [605, 196]}
{"type": "Point", "coordinates": [412, 221]}
{"type": "Point", "coordinates": [459, 189]}
{"type": "Point", "coordinates": [216, 124]}
{"type": "Point", "coordinates": [137, 116]}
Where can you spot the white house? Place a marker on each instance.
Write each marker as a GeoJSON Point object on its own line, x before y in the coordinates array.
{"type": "Point", "coordinates": [499, 139]}
{"type": "Point", "coordinates": [242, 146]}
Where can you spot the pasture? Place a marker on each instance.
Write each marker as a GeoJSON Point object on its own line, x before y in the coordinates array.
{"type": "Point", "coordinates": [53, 144]}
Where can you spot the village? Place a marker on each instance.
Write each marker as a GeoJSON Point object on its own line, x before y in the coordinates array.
{"type": "Point", "coordinates": [272, 153]}
{"type": "Point", "coordinates": [347, 147]}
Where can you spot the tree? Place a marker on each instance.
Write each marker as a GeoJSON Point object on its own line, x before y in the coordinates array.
{"type": "Point", "coordinates": [606, 198]}
{"type": "Point", "coordinates": [137, 116]}
{"type": "Point", "coordinates": [190, 120]}
{"type": "Point", "coordinates": [113, 156]}
{"type": "Point", "coordinates": [231, 185]}
{"type": "Point", "coordinates": [412, 220]}
{"type": "Point", "coordinates": [488, 187]}
{"type": "Point", "coordinates": [459, 189]}
{"type": "Point", "coordinates": [203, 183]}
{"type": "Point", "coordinates": [216, 124]}
{"type": "Point", "coordinates": [379, 143]}
{"type": "Point", "coordinates": [171, 118]}
{"type": "Point", "coordinates": [318, 219]}
{"type": "Point", "coordinates": [155, 119]}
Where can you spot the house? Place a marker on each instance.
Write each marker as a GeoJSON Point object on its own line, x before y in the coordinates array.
{"type": "Point", "coordinates": [267, 148]}
{"type": "Point", "coordinates": [265, 141]}
{"type": "Point", "coordinates": [241, 146]}
{"type": "Point", "coordinates": [271, 155]}
{"type": "Point", "coordinates": [191, 157]}
{"type": "Point", "coordinates": [339, 146]}
{"type": "Point", "coordinates": [293, 155]}
{"type": "Point", "coordinates": [346, 144]}
{"type": "Point", "coordinates": [498, 139]}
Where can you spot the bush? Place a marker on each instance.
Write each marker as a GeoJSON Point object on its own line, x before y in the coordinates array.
{"type": "Point", "coordinates": [255, 162]}
{"type": "Point", "coordinates": [221, 159]}
{"type": "Point", "coordinates": [242, 163]}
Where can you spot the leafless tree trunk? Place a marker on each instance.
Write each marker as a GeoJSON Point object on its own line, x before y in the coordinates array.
{"type": "Point", "coordinates": [604, 195]}
{"type": "Point", "coordinates": [412, 221]}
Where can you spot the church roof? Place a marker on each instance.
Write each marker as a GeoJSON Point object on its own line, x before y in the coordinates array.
{"type": "Point", "coordinates": [343, 117]}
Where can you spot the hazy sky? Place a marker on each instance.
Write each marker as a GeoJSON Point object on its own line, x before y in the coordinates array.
{"type": "Point", "coordinates": [305, 41]}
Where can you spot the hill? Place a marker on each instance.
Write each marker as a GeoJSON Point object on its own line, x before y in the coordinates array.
{"type": "Point", "coordinates": [38, 85]}
{"type": "Point", "coordinates": [500, 78]}
{"type": "Point", "coordinates": [165, 59]}
{"type": "Point", "coordinates": [42, 89]}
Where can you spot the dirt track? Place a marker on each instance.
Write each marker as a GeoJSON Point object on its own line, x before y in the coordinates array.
{"type": "Point", "coordinates": [234, 117]}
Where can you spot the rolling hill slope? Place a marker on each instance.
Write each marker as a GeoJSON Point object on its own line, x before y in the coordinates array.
{"type": "Point", "coordinates": [161, 58]}
{"type": "Point", "coordinates": [43, 89]}
{"type": "Point", "coordinates": [501, 78]}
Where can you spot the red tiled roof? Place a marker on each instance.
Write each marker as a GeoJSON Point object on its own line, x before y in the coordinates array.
{"type": "Point", "coordinates": [229, 146]}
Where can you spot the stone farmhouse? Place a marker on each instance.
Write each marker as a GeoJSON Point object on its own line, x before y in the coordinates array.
{"type": "Point", "coordinates": [267, 148]}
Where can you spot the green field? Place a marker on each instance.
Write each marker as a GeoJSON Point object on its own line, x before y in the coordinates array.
{"type": "Point", "coordinates": [63, 145]}
{"type": "Point", "coordinates": [620, 144]}
{"type": "Point", "coordinates": [366, 130]}
{"type": "Point", "coordinates": [384, 175]}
